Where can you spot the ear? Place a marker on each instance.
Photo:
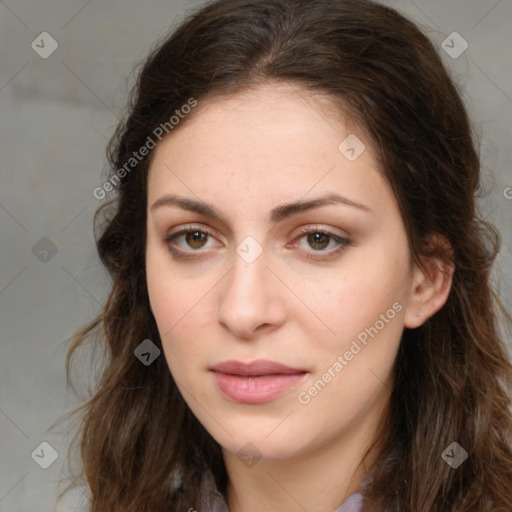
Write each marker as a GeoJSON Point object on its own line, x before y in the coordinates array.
{"type": "Point", "coordinates": [431, 282]}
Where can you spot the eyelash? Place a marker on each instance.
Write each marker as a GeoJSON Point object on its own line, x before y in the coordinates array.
{"type": "Point", "coordinates": [342, 242]}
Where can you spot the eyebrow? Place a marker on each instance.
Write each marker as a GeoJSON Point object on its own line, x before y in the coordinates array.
{"type": "Point", "coordinates": [277, 214]}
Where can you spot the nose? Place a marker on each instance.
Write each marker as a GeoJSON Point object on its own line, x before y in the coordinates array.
{"type": "Point", "coordinates": [250, 301]}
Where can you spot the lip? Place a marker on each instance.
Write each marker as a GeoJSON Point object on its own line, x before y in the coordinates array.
{"type": "Point", "coordinates": [255, 368]}
{"type": "Point", "coordinates": [255, 382]}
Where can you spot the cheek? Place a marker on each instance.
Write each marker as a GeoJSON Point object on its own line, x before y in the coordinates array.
{"type": "Point", "coordinates": [167, 296]}
{"type": "Point", "coordinates": [169, 293]}
{"type": "Point", "coordinates": [353, 300]}
{"type": "Point", "coordinates": [159, 291]}
{"type": "Point", "coordinates": [181, 312]}
{"type": "Point", "coordinates": [362, 315]}
{"type": "Point", "coordinates": [354, 365]}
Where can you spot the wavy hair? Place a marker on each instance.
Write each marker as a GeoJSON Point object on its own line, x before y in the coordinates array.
{"type": "Point", "coordinates": [452, 375]}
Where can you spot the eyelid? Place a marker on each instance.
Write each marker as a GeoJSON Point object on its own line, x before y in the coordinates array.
{"type": "Point", "coordinates": [189, 227]}
{"type": "Point", "coordinates": [304, 230]}
{"type": "Point", "coordinates": [321, 229]}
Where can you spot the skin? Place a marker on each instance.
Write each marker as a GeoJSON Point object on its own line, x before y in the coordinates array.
{"type": "Point", "coordinates": [245, 154]}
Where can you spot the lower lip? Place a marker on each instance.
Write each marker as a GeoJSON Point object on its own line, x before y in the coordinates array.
{"type": "Point", "coordinates": [255, 390]}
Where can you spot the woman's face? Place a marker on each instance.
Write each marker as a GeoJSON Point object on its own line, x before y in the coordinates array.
{"type": "Point", "coordinates": [319, 288]}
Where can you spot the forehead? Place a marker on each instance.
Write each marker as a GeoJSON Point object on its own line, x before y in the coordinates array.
{"type": "Point", "coordinates": [270, 144]}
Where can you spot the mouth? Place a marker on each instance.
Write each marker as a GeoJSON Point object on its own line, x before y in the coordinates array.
{"type": "Point", "coordinates": [258, 368]}
{"type": "Point", "coordinates": [256, 382]}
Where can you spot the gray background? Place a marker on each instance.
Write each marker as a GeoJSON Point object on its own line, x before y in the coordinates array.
{"type": "Point", "coordinates": [57, 115]}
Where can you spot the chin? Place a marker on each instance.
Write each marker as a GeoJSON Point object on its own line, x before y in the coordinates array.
{"type": "Point", "coordinates": [258, 444]}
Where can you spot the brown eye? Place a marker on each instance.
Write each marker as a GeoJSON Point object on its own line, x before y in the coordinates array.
{"type": "Point", "coordinates": [318, 240]}
{"type": "Point", "coordinates": [188, 241]}
{"type": "Point", "coordinates": [196, 239]}
{"type": "Point", "coordinates": [321, 244]}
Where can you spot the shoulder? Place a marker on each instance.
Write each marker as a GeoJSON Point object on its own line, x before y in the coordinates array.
{"type": "Point", "coordinates": [353, 503]}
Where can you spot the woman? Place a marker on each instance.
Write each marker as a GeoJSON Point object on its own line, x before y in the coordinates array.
{"type": "Point", "coordinates": [301, 316]}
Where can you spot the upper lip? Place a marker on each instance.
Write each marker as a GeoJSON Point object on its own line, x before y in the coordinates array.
{"type": "Point", "coordinates": [259, 367]}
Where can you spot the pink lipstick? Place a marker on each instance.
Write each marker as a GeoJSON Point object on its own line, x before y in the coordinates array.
{"type": "Point", "coordinates": [255, 382]}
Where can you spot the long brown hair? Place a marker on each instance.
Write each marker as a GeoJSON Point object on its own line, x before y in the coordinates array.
{"type": "Point", "coordinates": [452, 378]}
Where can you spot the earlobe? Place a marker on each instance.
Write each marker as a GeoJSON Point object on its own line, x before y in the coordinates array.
{"type": "Point", "coordinates": [430, 288]}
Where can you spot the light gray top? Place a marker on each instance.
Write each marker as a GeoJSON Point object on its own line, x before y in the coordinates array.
{"type": "Point", "coordinates": [217, 503]}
